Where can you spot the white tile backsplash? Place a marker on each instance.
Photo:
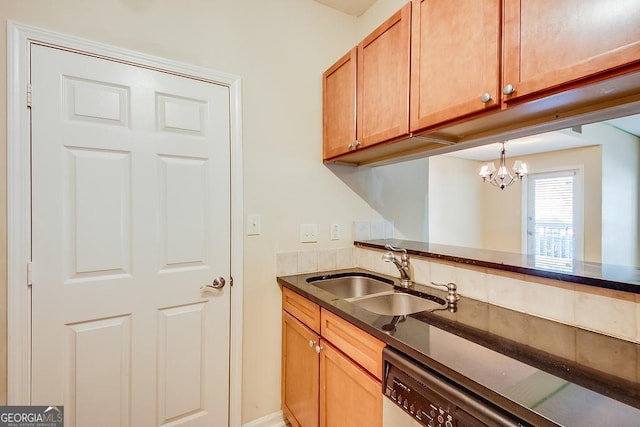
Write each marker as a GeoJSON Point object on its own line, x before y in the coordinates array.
{"type": "Point", "coordinates": [389, 229]}
{"type": "Point", "coordinates": [603, 311]}
{"type": "Point", "coordinates": [345, 257]}
{"type": "Point", "coordinates": [362, 230]}
{"type": "Point", "coordinates": [374, 230]}
{"type": "Point", "coordinates": [307, 261]}
{"type": "Point", "coordinates": [286, 263]}
{"type": "Point", "coordinates": [507, 290]}
{"type": "Point", "coordinates": [377, 230]}
{"type": "Point", "coordinates": [555, 301]}
{"type": "Point", "coordinates": [327, 260]}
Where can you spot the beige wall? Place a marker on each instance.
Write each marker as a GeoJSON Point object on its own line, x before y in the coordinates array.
{"type": "Point", "coordinates": [503, 209]}
{"type": "Point", "coordinates": [455, 202]}
{"type": "Point", "coordinates": [280, 49]}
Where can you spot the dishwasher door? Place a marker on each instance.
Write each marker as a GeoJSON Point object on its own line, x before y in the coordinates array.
{"type": "Point", "coordinates": [426, 399]}
{"type": "Point", "coordinates": [393, 416]}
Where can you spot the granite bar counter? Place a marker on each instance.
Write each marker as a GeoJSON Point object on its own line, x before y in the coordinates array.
{"type": "Point", "coordinates": [544, 372]}
{"type": "Point", "coordinates": [616, 277]}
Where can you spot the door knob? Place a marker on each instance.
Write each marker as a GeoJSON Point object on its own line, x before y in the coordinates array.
{"type": "Point", "coordinates": [217, 283]}
{"type": "Point", "coordinates": [509, 89]}
{"type": "Point", "coordinates": [486, 97]}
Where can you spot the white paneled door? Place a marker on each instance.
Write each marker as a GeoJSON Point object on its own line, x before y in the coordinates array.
{"type": "Point", "coordinates": [130, 218]}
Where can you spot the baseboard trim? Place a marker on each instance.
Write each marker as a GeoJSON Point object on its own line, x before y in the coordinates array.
{"type": "Point", "coordinates": [276, 419]}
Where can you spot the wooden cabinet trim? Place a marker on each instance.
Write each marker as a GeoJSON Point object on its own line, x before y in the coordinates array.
{"type": "Point", "coordinates": [304, 310]}
{"type": "Point", "coordinates": [363, 348]}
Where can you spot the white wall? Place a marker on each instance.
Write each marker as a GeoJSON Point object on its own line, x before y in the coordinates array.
{"type": "Point", "coordinates": [620, 194]}
{"type": "Point", "coordinates": [280, 49]}
{"type": "Point", "coordinates": [455, 202]}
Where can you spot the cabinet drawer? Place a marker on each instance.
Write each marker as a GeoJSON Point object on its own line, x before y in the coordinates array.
{"type": "Point", "coordinates": [361, 347]}
{"type": "Point", "coordinates": [302, 309]}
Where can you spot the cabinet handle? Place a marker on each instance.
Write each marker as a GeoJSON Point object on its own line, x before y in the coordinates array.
{"type": "Point", "coordinates": [509, 89]}
{"type": "Point", "coordinates": [350, 147]}
{"type": "Point", "coordinates": [319, 349]}
{"type": "Point", "coordinates": [486, 97]}
{"type": "Point", "coordinates": [312, 343]}
{"type": "Point", "coordinates": [357, 144]}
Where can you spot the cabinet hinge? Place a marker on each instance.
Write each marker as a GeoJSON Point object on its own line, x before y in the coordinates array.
{"type": "Point", "coordinates": [231, 280]}
{"type": "Point", "coordinates": [29, 273]}
{"type": "Point", "coordinates": [29, 95]}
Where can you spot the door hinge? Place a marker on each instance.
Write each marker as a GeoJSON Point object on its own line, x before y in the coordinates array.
{"type": "Point", "coordinates": [29, 95]}
{"type": "Point", "coordinates": [29, 273]}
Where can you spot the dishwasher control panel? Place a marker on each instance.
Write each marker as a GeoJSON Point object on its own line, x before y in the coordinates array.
{"type": "Point", "coordinates": [404, 391]}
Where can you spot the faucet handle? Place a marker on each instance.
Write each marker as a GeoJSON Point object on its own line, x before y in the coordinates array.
{"type": "Point", "coordinates": [405, 255]}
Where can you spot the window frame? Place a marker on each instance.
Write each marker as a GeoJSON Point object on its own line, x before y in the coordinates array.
{"type": "Point", "coordinates": [578, 206]}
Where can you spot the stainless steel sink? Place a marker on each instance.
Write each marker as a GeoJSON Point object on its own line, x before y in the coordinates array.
{"type": "Point", "coordinates": [398, 304]}
{"type": "Point", "coordinates": [351, 285]}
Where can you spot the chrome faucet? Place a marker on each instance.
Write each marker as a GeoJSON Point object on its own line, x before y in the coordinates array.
{"type": "Point", "coordinates": [403, 264]}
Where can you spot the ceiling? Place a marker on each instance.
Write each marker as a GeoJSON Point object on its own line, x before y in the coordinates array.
{"type": "Point", "coordinates": [350, 7]}
{"type": "Point", "coordinates": [544, 142]}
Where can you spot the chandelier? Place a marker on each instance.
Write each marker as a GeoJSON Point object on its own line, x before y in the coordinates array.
{"type": "Point", "coordinates": [501, 177]}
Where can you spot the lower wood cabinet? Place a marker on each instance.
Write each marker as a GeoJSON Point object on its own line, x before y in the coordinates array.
{"type": "Point", "coordinates": [300, 367]}
{"type": "Point", "coordinates": [349, 396]}
{"type": "Point", "coordinates": [322, 384]}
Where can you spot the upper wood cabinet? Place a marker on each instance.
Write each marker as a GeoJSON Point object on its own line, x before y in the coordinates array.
{"type": "Point", "coordinates": [455, 63]}
{"type": "Point", "coordinates": [383, 80]}
{"type": "Point", "coordinates": [366, 93]}
{"type": "Point", "coordinates": [549, 43]}
{"type": "Point", "coordinates": [480, 71]}
{"type": "Point", "coordinates": [339, 106]}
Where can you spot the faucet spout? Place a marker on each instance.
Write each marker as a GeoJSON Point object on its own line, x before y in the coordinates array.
{"type": "Point", "coordinates": [402, 265]}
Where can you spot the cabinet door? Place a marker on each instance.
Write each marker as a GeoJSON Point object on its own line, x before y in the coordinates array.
{"type": "Point", "coordinates": [348, 395]}
{"type": "Point", "coordinates": [455, 68]}
{"type": "Point", "coordinates": [361, 347]}
{"type": "Point", "coordinates": [300, 371]}
{"type": "Point", "coordinates": [383, 80]}
{"type": "Point", "coordinates": [339, 106]}
{"type": "Point", "coordinates": [548, 43]}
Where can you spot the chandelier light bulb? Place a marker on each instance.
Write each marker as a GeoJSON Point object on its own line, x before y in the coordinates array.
{"type": "Point", "coordinates": [501, 177]}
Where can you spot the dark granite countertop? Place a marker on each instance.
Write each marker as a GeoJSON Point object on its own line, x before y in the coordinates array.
{"type": "Point", "coordinates": [544, 372]}
{"type": "Point", "coordinates": [617, 277]}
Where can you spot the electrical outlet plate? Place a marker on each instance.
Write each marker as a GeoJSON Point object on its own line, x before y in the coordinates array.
{"type": "Point", "coordinates": [308, 233]}
{"type": "Point", "coordinates": [335, 232]}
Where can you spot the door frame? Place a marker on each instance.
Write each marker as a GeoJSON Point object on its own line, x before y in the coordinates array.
{"type": "Point", "coordinates": [19, 39]}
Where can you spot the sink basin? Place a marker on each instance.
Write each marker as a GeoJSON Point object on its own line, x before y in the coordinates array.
{"type": "Point", "coordinates": [398, 304]}
{"type": "Point", "coordinates": [351, 285]}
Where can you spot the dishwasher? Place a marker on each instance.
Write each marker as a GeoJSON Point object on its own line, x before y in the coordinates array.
{"type": "Point", "coordinates": [415, 396]}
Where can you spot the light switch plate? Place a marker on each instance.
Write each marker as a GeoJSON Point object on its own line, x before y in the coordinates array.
{"type": "Point", "coordinates": [308, 233]}
{"type": "Point", "coordinates": [253, 225]}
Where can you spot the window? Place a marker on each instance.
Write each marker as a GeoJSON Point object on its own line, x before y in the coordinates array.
{"type": "Point", "coordinates": [552, 224]}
